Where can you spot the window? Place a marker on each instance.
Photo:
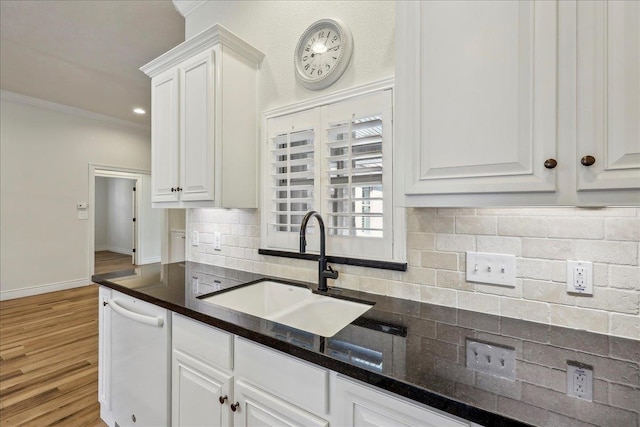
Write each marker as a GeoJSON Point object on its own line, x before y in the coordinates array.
{"type": "Point", "coordinates": [335, 159]}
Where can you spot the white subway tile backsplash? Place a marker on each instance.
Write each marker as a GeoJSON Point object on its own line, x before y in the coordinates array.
{"type": "Point", "coordinates": [542, 239]}
{"type": "Point", "coordinates": [522, 227]}
{"type": "Point", "coordinates": [622, 229]}
{"type": "Point", "coordinates": [455, 243]}
{"type": "Point", "coordinates": [476, 225]}
{"type": "Point", "coordinates": [548, 248]}
{"type": "Point", "coordinates": [580, 318]}
{"type": "Point", "coordinates": [625, 325]}
{"type": "Point", "coordinates": [533, 268]}
{"type": "Point", "coordinates": [576, 228]}
{"type": "Point", "coordinates": [439, 296]}
{"type": "Point", "coordinates": [502, 245]}
{"type": "Point", "coordinates": [607, 252]}
{"type": "Point", "coordinates": [489, 304]}
{"type": "Point", "coordinates": [624, 277]}
{"type": "Point", "coordinates": [440, 260]}
{"type": "Point", "coordinates": [523, 309]}
{"type": "Point", "coordinates": [612, 300]}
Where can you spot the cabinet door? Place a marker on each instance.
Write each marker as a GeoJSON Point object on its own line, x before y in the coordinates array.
{"type": "Point", "coordinates": [476, 99]}
{"type": "Point", "coordinates": [259, 408]}
{"type": "Point", "coordinates": [608, 94]}
{"type": "Point", "coordinates": [164, 137]}
{"type": "Point", "coordinates": [197, 127]}
{"type": "Point", "coordinates": [196, 390]}
{"type": "Point", "coordinates": [356, 405]}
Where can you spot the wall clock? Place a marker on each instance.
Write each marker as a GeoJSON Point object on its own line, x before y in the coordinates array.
{"type": "Point", "coordinates": [323, 53]}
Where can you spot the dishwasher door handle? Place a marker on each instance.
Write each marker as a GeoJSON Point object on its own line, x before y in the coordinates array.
{"type": "Point", "coordinates": [147, 320]}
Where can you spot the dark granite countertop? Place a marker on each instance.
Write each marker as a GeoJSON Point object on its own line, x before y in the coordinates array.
{"type": "Point", "coordinates": [418, 350]}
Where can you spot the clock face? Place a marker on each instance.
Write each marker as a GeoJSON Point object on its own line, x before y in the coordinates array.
{"type": "Point", "coordinates": [323, 53]}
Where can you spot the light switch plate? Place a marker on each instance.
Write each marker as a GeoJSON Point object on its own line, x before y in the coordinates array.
{"type": "Point", "coordinates": [195, 238]}
{"type": "Point", "coordinates": [497, 269]}
{"type": "Point", "coordinates": [491, 359]}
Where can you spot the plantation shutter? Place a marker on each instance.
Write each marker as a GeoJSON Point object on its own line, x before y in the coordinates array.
{"type": "Point", "coordinates": [357, 198]}
{"type": "Point", "coordinates": [292, 174]}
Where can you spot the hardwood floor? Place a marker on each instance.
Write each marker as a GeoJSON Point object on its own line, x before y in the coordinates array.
{"type": "Point", "coordinates": [49, 359]}
{"type": "Point", "coordinates": [106, 262]}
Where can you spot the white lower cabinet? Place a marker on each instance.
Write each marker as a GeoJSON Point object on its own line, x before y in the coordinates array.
{"type": "Point", "coordinates": [354, 404]}
{"type": "Point", "coordinates": [197, 390]}
{"type": "Point", "coordinates": [219, 379]}
{"type": "Point", "coordinates": [202, 382]}
{"type": "Point", "coordinates": [260, 408]}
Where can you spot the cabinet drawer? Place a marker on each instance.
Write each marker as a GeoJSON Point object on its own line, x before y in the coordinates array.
{"type": "Point", "coordinates": [202, 341]}
{"type": "Point", "coordinates": [295, 381]}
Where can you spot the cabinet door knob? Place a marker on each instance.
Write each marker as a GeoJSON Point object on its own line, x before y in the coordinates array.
{"type": "Point", "coordinates": [587, 160]}
{"type": "Point", "coordinates": [235, 406]}
{"type": "Point", "coordinates": [222, 399]}
{"type": "Point", "coordinates": [550, 163]}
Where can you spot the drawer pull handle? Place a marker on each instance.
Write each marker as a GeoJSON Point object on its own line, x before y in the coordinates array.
{"type": "Point", "coordinates": [587, 160]}
{"type": "Point", "coordinates": [550, 163]}
{"type": "Point", "coordinates": [222, 399]}
{"type": "Point", "coordinates": [235, 406]}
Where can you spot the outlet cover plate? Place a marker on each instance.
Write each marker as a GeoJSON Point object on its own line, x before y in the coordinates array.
{"type": "Point", "coordinates": [580, 277]}
{"type": "Point", "coordinates": [492, 359]}
{"type": "Point", "coordinates": [580, 381]}
{"type": "Point", "coordinates": [497, 269]}
{"type": "Point", "coordinates": [217, 241]}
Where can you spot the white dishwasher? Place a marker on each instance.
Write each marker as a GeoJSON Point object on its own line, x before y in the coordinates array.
{"type": "Point", "coordinates": [140, 362]}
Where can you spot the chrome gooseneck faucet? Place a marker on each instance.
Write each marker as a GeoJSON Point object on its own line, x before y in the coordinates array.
{"type": "Point", "coordinates": [324, 270]}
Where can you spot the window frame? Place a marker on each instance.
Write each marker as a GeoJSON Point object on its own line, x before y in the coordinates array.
{"type": "Point", "coordinates": [394, 238]}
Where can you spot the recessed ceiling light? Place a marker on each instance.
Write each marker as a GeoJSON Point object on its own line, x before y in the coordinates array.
{"type": "Point", "coordinates": [139, 111]}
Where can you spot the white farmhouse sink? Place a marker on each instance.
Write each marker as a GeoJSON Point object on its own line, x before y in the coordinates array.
{"type": "Point", "coordinates": [293, 306]}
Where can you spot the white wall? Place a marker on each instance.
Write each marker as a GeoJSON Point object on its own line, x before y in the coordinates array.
{"type": "Point", "coordinates": [274, 27]}
{"type": "Point", "coordinates": [120, 214]}
{"type": "Point", "coordinates": [45, 155]}
{"type": "Point", "coordinates": [100, 209]}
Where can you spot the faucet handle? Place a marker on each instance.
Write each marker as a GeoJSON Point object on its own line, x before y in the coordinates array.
{"type": "Point", "coordinates": [330, 273]}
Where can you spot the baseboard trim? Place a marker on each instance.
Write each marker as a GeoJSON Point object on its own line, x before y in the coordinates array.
{"type": "Point", "coordinates": [43, 289]}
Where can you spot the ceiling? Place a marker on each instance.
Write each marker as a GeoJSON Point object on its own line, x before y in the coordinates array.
{"type": "Point", "coordinates": [86, 54]}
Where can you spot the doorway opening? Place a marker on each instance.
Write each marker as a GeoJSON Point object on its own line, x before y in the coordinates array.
{"type": "Point", "coordinates": [115, 224]}
{"type": "Point", "coordinates": [125, 231]}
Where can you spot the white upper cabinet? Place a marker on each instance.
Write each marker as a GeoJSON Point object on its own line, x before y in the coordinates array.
{"type": "Point", "coordinates": [204, 122]}
{"type": "Point", "coordinates": [490, 106]}
{"type": "Point", "coordinates": [608, 94]}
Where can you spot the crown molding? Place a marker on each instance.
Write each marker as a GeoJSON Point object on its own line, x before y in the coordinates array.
{"type": "Point", "coordinates": [205, 39]}
{"type": "Point", "coordinates": [331, 98]}
{"type": "Point", "coordinates": [185, 7]}
{"type": "Point", "coordinates": [6, 95]}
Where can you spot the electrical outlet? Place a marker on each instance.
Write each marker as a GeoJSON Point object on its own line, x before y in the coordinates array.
{"type": "Point", "coordinates": [497, 269]}
{"type": "Point", "coordinates": [194, 284]}
{"type": "Point", "coordinates": [217, 241]}
{"type": "Point", "coordinates": [580, 277]}
{"type": "Point", "coordinates": [492, 359]}
{"type": "Point", "coordinates": [580, 381]}
{"type": "Point", "coordinates": [195, 238]}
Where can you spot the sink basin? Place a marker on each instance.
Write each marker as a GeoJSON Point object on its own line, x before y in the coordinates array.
{"type": "Point", "coordinates": [291, 305]}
